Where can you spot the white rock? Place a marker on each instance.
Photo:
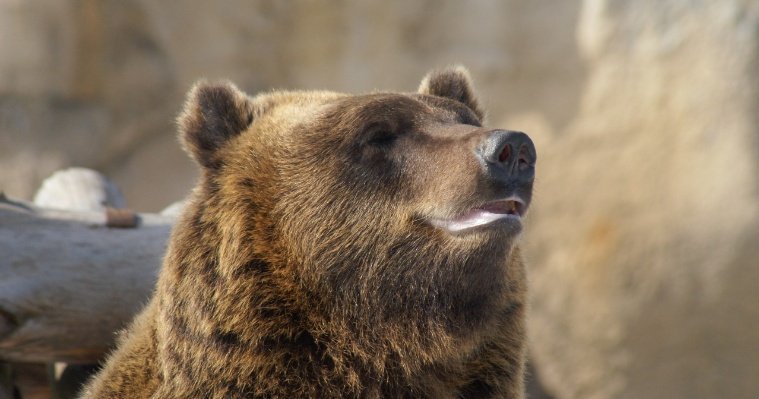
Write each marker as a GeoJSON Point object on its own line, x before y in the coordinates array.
{"type": "Point", "coordinates": [643, 255]}
{"type": "Point", "coordinates": [78, 189]}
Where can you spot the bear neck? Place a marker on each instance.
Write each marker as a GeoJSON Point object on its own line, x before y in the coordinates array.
{"type": "Point", "coordinates": [249, 316]}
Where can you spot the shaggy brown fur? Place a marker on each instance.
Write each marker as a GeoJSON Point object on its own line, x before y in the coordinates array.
{"type": "Point", "coordinates": [305, 265]}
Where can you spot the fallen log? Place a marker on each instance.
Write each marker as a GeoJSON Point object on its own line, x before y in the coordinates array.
{"type": "Point", "coordinates": [6, 382]}
{"type": "Point", "coordinates": [70, 279]}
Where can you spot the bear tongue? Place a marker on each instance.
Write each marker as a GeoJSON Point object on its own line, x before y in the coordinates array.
{"type": "Point", "coordinates": [475, 218]}
{"type": "Point", "coordinates": [486, 214]}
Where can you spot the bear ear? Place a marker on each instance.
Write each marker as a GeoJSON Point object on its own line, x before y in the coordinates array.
{"type": "Point", "coordinates": [452, 82]}
{"type": "Point", "coordinates": [213, 114]}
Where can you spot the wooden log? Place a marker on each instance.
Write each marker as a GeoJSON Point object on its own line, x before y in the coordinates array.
{"type": "Point", "coordinates": [73, 189]}
{"type": "Point", "coordinates": [68, 282]}
{"type": "Point", "coordinates": [6, 382]}
{"type": "Point", "coordinates": [32, 381]}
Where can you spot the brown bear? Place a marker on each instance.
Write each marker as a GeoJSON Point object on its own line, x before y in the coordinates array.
{"type": "Point", "coordinates": [338, 246]}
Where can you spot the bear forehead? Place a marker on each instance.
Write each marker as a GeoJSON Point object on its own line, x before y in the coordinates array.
{"type": "Point", "coordinates": [357, 111]}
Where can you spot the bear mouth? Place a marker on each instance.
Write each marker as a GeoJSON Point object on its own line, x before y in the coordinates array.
{"type": "Point", "coordinates": [510, 210]}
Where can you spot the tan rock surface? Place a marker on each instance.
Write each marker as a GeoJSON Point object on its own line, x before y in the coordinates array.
{"type": "Point", "coordinates": [643, 246]}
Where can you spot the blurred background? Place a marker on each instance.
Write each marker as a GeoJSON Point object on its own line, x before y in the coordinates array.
{"type": "Point", "coordinates": [643, 242]}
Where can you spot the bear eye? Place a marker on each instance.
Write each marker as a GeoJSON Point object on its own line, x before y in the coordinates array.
{"type": "Point", "coordinates": [383, 139]}
{"type": "Point", "coordinates": [380, 137]}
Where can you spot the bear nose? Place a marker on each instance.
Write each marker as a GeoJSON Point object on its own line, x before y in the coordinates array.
{"type": "Point", "coordinates": [508, 154]}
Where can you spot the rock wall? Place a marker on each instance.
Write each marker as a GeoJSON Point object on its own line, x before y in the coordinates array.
{"type": "Point", "coordinates": [82, 83]}
{"type": "Point", "coordinates": [643, 252]}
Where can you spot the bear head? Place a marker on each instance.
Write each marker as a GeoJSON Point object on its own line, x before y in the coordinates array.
{"type": "Point", "coordinates": [387, 214]}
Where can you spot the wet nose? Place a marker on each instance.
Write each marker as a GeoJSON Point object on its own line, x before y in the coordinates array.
{"type": "Point", "coordinates": [508, 155]}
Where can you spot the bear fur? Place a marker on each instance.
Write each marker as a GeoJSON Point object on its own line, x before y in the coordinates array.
{"type": "Point", "coordinates": [305, 265]}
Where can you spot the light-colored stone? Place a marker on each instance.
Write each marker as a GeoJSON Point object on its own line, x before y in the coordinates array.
{"type": "Point", "coordinates": [78, 189]}
{"type": "Point", "coordinates": [36, 37]}
{"type": "Point", "coordinates": [645, 268]}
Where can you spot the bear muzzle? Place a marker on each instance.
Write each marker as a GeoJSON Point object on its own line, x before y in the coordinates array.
{"type": "Point", "coordinates": [507, 165]}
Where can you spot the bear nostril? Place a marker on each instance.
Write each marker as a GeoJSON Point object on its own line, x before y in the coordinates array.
{"type": "Point", "coordinates": [524, 156]}
{"type": "Point", "coordinates": [504, 154]}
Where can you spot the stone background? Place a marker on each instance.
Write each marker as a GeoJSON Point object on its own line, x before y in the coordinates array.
{"type": "Point", "coordinates": [643, 243]}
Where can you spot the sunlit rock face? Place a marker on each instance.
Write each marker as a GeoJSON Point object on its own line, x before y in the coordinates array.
{"type": "Point", "coordinates": [643, 248]}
